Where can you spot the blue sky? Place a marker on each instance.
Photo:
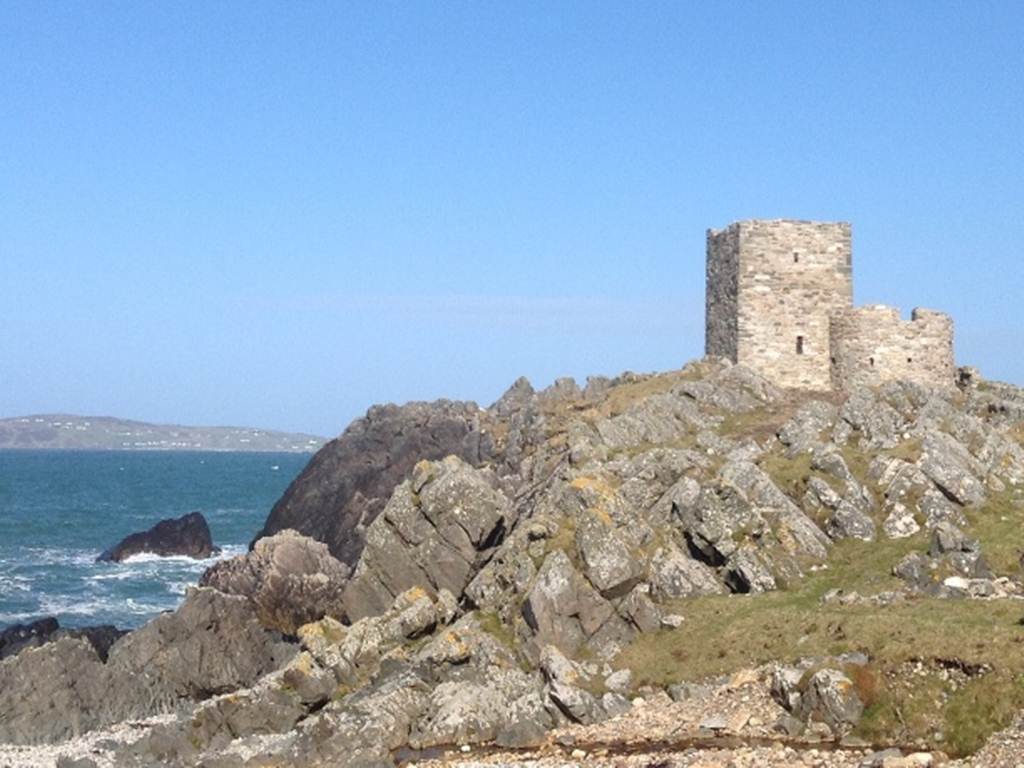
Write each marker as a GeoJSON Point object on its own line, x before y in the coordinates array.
{"type": "Point", "coordinates": [278, 214]}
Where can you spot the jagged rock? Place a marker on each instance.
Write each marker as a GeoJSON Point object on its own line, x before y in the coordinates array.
{"type": "Point", "coordinates": [17, 637]}
{"type": "Point", "coordinates": [290, 579]}
{"type": "Point", "coordinates": [563, 688]}
{"type": "Point", "coordinates": [821, 495]}
{"type": "Point", "coordinates": [735, 389]}
{"type": "Point", "coordinates": [274, 705]}
{"type": "Point", "coordinates": [53, 693]}
{"type": "Point", "coordinates": [563, 610]}
{"type": "Point", "coordinates": [713, 522]}
{"type": "Point", "coordinates": [879, 423]}
{"type": "Point", "coordinates": [936, 508]}
{"type": "Point", "coordinates": [914, 568]}
{"type": "Point", "coordinates": [949, 464]}
{"type": "Point", "coordinates": [640, 610]}
{"type": "Point", "coordinates": [785, 686]}
{"type": "Point", "coordinates": [348, 482]}
{"type": "Point", "coordinates": [436, 531]}
{"type": "Point", "coordinates": [849, 522]}
{"type": "Point", "coordinates": [354, 653]}
{"type": "Point", "coordinates": [900, 522]}
{"type": "Point", "coordinates": [188, 535]}
{"type": "Point", "coordinates": [655, 420]}
{"type": "Point", "coordinates": [947, 538]}
{"type": "Point", "coordinates": [808, 427]}
{"type": "Point", "coordinates": [746, 572]}
{"type": "Point", "coordinates": [831, 698]}
{"type": "Point", "coordinates": [796, 532]}
{"type": "Point", "coordinates": [673, 575]}
{"type": "Point", "coordinates": [210, 645]}
{"type": "Point", "coordinates": [607, 560]}
{"type": "Point", "coordinates": [32, 635]}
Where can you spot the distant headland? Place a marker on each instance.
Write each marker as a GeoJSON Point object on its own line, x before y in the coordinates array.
{"type": "Point", "coordinates": [90, 433]}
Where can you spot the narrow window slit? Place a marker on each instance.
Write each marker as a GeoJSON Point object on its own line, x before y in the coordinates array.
{"type": "Point", "coordinates": [799, 345]}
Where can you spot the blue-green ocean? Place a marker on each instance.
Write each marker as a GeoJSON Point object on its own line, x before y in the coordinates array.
{"type": "Point", "coordinates": [60, 509]}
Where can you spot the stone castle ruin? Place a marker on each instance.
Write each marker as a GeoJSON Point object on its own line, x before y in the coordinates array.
{"type": "Point", "coordinates": [780, 301]}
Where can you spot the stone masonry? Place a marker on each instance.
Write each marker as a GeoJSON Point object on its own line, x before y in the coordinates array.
{"type": "Point", "coordinates": [873, 344]}
{"type": "Point", "coordinates": [780, 301]}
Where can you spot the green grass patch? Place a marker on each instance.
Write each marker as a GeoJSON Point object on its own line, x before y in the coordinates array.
{"type": "Point", "coordinates": [998, 524]}
{"type": "Point", "coordinates": [723, 634]}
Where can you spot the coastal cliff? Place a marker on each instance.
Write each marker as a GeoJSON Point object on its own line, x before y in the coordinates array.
{"type": "Point", "coordinates": [656, 563]}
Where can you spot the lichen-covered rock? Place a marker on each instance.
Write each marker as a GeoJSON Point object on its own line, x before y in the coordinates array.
{"type": "Point", "coordinates": [951, 466]}
{"type": "Point", "coordinates": [562, 608]}
{"type": "Point", "coordinates": [795, 531]}
{"type": "Point", "coordinates": [564, 689]}
{"type": "Point", "coordinates": [607, 560]}
{"type": "Point", "coordinates": [850, 522]}
{"type": "Point", "coordinates": [809, 426]}
{"type": "Point", "coordinates": [290, 579]}
{"type": "Point", "coordinates": [830, 697]}
{"type": "Point", "coordinates": [673, 574]}
{"type": "Point", "coordinates": [437, 530]}
{"type": "Point", "coordinates": [353, 653]}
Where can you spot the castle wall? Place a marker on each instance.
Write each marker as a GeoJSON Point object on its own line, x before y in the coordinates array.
{"type": "Point", "coordinates": [721, 311]}
{"type": "Point", "coordinates": [871, 345]}
{"type": "Point", "coordinates": [790, 277]}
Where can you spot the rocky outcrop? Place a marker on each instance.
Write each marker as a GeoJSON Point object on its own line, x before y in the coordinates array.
{"type": "Point", "coordinates": [290, 579]}
{"type": "Point", "coordinates": [436, 531]}
{"type": "Point", "coordinates": [188, 535]}
{"type": "Point", "coordinates": [212, 644]}
{"type": "Point", "coordinates": [348, 482]}
{"type": "Point", "coordinates": [17, 637]}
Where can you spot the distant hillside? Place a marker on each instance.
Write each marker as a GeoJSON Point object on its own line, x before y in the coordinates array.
{"type": "Point", "coordinates": [81, 433]}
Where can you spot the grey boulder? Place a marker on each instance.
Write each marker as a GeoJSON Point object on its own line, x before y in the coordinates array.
{"type": "Point", "coordinates": [290, 579]}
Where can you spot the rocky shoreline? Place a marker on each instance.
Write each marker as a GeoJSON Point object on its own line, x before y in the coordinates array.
{"type": "Point", "coordinates": [690, 568]}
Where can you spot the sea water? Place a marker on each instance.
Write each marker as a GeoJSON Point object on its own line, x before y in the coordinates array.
{"type": "Point", "coordinates": [60, 509]}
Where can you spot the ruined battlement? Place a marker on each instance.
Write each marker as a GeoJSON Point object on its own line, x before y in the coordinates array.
{"type": "Point", "coordinates": [780, 301]}
{"type": "Point", "coordinates": [873, 344]}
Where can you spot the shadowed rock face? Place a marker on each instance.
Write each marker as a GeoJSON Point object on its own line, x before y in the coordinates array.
{"type": "Point", "coordinates": [348, 482]}
{"type": "Point", "coordinates": [188, 535]}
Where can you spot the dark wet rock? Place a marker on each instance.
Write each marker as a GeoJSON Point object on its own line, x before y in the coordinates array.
{"type": "Point", "coordinates": [436, 532]}
{"type": "Point", "coordinates": [348, 482]}
{"type": "Point", "coordinates": [31, 635]}
{"type": "Point", "coordinates": [289, 578]}
{"type": "Point", "coordinates": [188, 536]}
